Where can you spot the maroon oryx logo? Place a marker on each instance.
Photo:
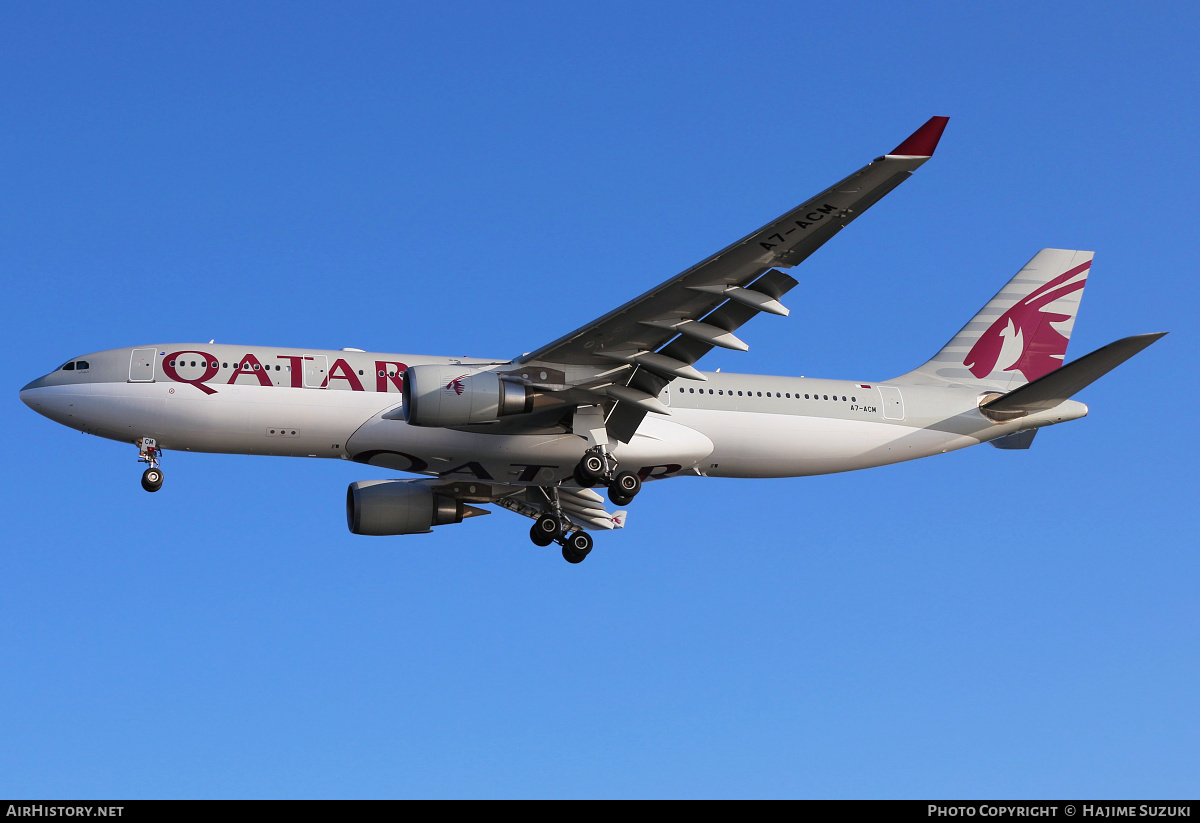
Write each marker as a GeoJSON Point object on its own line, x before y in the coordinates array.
{"type": "Point", "coordinates": [456, 385]}
{"type": "Point", "coordinates": [1042, 347]}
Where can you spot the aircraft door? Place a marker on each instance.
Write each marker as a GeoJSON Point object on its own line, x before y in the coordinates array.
{"type": "Point", "coordinates": [141, 366]}
{"type": "Point", "coordinates": [893, 403]}
{"type": "Point", "coordinates": [316, 371]}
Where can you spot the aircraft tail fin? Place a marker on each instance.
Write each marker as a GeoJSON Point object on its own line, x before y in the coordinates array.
{"type": "Point", "coordinates": [1022, 332]}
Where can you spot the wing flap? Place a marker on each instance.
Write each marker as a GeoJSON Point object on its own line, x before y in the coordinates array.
{"type": "Point", "coordinates": [730, 316]}
{"type": "Point", "coordinates": [583, 507]}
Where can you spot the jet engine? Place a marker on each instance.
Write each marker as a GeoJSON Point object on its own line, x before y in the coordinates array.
{"type": "Point", "coordinates": [382, 507]}
{"type": "Point", "coordinates": [460, 396]}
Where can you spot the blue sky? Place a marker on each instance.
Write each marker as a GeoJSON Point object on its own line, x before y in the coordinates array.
{"type": "Point", "coordinates": [480, 179]}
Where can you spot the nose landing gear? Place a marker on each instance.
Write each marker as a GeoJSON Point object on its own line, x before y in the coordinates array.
{"type": "Point", "coordinates": [152, 478]}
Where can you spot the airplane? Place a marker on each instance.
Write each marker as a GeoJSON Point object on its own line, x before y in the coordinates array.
{"type": "Point", "coordinates": [615, 403]}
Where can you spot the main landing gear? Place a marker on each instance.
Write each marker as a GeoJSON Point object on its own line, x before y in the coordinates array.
{"type": "Point", "coordinates": [152, 478]}
{"type": "Point", "coordinates": [575, 545]}
{"type": "Point", "coordinates": [597, 467]}
{"type": "Point", "coordinates": [553, 527]}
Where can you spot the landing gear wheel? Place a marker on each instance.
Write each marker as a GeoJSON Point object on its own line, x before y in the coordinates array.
{"type": "Point", "coordinates": [592, 465]}
{"type": "Point", "coordinates": [582, 480]}
{"type": "Point", "coordinates": [580, 543]}
{"type": "Point", "coordinates": [547, 528]}
{"type": "Point", "coordinates": [624, 488]}
{"type": "Point", "coordinates": [570, 555]}
{"type": "Point", "coordinates": [152, 479]}
{"type": "Point", "coordinates": [626, 484]}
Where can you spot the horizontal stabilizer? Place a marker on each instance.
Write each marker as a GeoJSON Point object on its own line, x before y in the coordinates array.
{"type": "Point", "coordinates": [1051, 389]}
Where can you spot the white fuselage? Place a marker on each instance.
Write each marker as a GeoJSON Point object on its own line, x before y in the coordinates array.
{"type": "Point", "coordinates": [344, 404]}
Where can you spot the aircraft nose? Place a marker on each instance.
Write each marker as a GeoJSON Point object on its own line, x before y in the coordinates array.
{"type": "Point", "coordinates": [30, 391]}
{"type": "Point", "coordinates": [34, 384]}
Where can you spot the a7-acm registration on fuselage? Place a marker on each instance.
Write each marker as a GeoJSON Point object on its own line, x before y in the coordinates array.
{"type": "Point", "coordinates": [614, 403]}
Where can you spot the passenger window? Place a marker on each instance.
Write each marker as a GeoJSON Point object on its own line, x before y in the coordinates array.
{"type": "Point", "coordinates": [256, 367]}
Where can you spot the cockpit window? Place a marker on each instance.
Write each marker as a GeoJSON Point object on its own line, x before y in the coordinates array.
{"type": "Point", "coordinates": [69, 366]}
{"type": "Point", "coordinates": [82, 365]}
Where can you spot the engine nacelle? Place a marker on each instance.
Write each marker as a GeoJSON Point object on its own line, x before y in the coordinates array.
{"type": "Point", "coordinates": [383, 507]}
{"type": "Point", "coordinates": [461, 396]}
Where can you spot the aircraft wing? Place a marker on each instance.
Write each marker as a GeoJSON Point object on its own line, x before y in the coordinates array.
{"type": "Point", "coordinates": [655, 338]}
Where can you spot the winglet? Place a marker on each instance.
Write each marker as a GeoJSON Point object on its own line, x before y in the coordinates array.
{"type": "Point", "coordinates": [924, 140]}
